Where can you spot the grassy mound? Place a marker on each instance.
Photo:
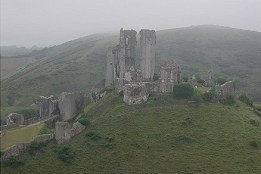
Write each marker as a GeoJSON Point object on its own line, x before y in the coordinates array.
{"type": "Point", "coordinates": [157, 137]}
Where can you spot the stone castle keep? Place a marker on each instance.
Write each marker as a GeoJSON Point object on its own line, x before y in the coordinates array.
{"type": "Point", "coordinates": [137, 82]}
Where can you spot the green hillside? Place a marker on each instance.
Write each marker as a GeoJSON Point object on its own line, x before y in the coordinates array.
{"type": "Point", "coordinates": [163, 135]}
{"type": "Point", "coordinates": [80, 64]}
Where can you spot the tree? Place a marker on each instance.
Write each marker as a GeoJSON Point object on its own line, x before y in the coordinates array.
{"type": "Point", "coordinates": [244, 98]}
{"type": "Point", "coordinates": [183, 91]}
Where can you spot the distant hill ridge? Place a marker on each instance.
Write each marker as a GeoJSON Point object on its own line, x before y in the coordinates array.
{"type": "Point", "coordinates": [80, 64]}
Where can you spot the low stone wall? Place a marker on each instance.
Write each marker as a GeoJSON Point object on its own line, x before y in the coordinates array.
{"type": "Point", "coordinates": [43, 138]}
{"type": "Point", "coordinates": [77, 128]}
{"type": "Point", "coordinates": [64, 132]}
{"type": "Point", "coordinates": [20, 148]}
{"type": "Point", "coordinates": [3, 127]}
{"type": "Point", "coordinates": [14, 150]}
{"type": "Point", "coordinates": [135, 93]}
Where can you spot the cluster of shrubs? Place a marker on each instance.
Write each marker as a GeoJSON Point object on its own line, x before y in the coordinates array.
{"type": "Point", "coordinates": [36, 147]}
{"type": "Point", "coordinates": [28, 112]}
{"type": "Point", "coordinates": [186, 91]}
{"type": "Point", "coordinates": [85, 122]}
{"type": "Point", "coordinates": [66, 154]}
{"type": "Point", "coordinates": [13, 162]}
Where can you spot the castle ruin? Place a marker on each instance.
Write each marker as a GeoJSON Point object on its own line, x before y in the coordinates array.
{"type": "Point", "coordinates": [136, 82]}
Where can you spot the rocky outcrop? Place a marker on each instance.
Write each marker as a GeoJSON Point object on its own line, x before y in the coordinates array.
{"type": "Point", "coordinates": [70, 104]}
{"type": "Point", "coordinates": [135, 93]}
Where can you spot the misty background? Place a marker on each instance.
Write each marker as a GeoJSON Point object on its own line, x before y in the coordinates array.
{"type": "Point", "coordinates": [52, 22]}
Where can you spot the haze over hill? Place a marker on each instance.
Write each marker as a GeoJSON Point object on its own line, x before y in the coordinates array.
{"type": "Point", "coordinates": [79, 64]}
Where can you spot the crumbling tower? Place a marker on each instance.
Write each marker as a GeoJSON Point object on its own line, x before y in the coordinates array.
{"type": "Point", "coordinates": [127, 48]}
{"type": "Point", "coordinates": [147, 46]}
{"type": "Point", "coordinates": [109, 79]}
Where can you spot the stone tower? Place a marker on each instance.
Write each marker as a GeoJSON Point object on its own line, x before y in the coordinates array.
{"type": "Point", "coordinates": [147, 46]}
{"type": "Point", "coordinates": [127, 48]}
{"type": "Point", "coordinates": [109, 78]}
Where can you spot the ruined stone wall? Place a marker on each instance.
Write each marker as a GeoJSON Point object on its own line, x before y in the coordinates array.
{"type": "Point", "coordinates": [135, 93]}
{"type": "Point", "coordinates": [225, 89]}
{"type": "Point", "coordinates": [48, 106]}
{"type": "Point", "coordinates": [147, 46]}
{"type": "Point", "coordinates": [20, 148]}
{"type": "Point", "coordinates": [70, 104]}
{"type": "Point", "coordinates": [77, 128]}
{"type": "Point", "coordinates": [109, 77]}
{"type": "Point", "coordinates": [62, 132]}
{"type": "Point", "coordinates": [43, 138]}
{"type": "Point", "coordinates": [169, 76]}
{"type": "Point", "coordinates": [14, 118]}
{"type": "Point", "coordinates": [14, 150]}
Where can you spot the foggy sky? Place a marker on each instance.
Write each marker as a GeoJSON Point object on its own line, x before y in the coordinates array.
{"type": "Point", "coordinates": [49, 22]}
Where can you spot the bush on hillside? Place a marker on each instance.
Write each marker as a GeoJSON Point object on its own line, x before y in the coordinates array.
{"type": "Point", "coordinates": [13, 162]}
{"type": "Point", "coordinates": [28, 112]}
{"type": "Point", "coordinates": [208, 96]}
{"type": "Point", "coordinates": [185, 79]}
{"type": "Point", "coordinates": [183, 91]}
{"type": "Point", "coordinates": [85, 122]}
{"type": "Point", "coordinates": [66, 154]}
{"type": "Point", "coordinates": [244, 98]}
{"type": "Point", "coordinates": [221, 80]}
{"type": "Point", "coordinates": [228, 100]}
{"type": "Point", "coordinates": [196, 96]}
{"type": "Point", "coordinates": [93, 136]}
{"type": "Point", "coordinates": [253, 143]}
{"type": "Point", "coordinates": [35, 147]}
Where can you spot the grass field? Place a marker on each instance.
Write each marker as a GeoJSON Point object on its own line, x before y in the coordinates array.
{"type": "Point", "coordinates": [161, 136]}
{"type": "Point", "coordinates": [19, 135]}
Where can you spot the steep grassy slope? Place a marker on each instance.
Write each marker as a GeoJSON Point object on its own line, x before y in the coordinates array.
{"type": "Point", "coordinates": [75, 65]}
{"type": "Point", "coordinates": [79, 64]}
{"type": "Point", "coordinates": [160, 136]}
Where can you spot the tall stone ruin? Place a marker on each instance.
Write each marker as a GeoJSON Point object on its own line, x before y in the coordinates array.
{"type": "Point", "coordinates": [148, 53]}
{"type": "Point", "coordinates": [67, 105]}
{"type": "Point", "coordinates": [169, 76]}
{"type": "Point", "coordinates": [70, 104]}
{"type": "Point", "coordinates": [121, 60]}
{"type": "Point", "coordinates": [48, 106]}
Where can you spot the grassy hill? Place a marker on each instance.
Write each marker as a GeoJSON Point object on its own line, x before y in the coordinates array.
{"type": "Point", "coordinates": [80, 64]}
{"type": "Point", "coordinates": [163, 135]}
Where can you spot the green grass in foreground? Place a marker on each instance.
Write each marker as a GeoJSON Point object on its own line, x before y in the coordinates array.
{"type": "Point", "coordinates": [19, 135]}
{"type": "Point", "coordinates": [157, 137]}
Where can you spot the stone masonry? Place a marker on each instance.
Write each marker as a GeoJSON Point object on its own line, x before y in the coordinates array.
{"type": "Point", "coordinates": [70, 104]}
{"type": "Point", "coordinates": [147, 46]}
{"type": "Point", "coordinates": [225, 89]}
{"type": "Point", "coordinates": [14, 118]}
{"type": "Point", "coordinates": [135, 93]}
{"type": "Point", "coordinates": [48, 106]}
{"type": "Point", "coordinates": [169, 76]}
{"type": "Point", "coordinates": [62, 132]}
